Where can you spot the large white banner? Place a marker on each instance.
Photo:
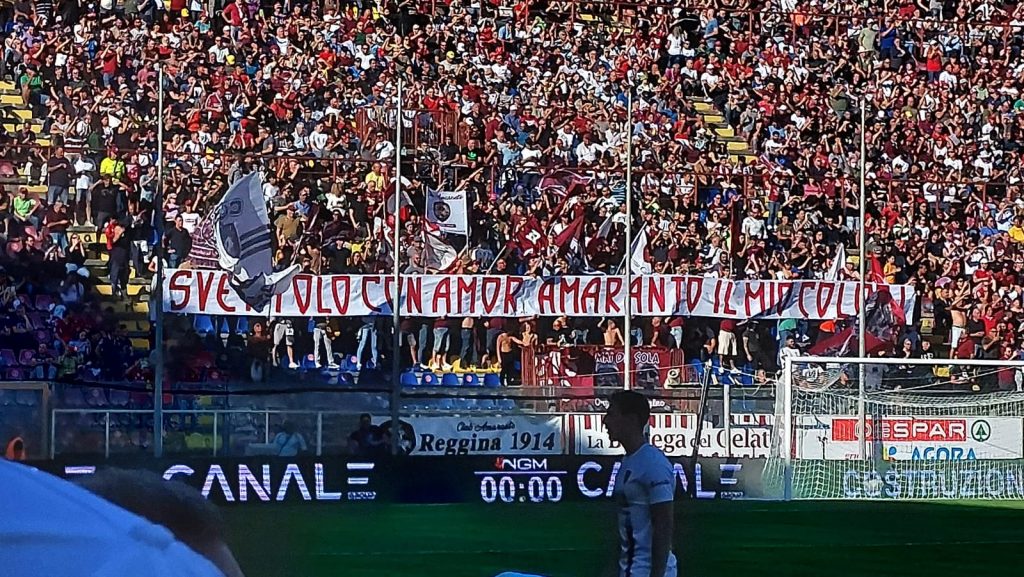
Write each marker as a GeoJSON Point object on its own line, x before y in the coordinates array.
{"type": "Point", "coordinates": [483, 435]}
{"type": "Point", "coordinates": [912, 438]}
{"type": "Point", "coordinates": [448, 210]}
{"type": "Point", "coordinates": [674, 434]}
{"type": "Point", "coordinates": [210, 292]}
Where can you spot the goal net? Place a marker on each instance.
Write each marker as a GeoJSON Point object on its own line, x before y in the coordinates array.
{"type": "Point", "coordinates": [917, 429]}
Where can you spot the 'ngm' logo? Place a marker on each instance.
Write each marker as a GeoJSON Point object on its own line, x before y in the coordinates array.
{"type": "Point", "coordinates": [520, 464]}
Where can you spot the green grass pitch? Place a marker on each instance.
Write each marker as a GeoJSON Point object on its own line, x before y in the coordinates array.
{"type": "Point", "coordinates": [713, 539]}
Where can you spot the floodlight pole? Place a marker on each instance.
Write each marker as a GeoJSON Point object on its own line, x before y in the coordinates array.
{"type": "Point", "coordinates": [156, 298]}
{"type": "Point", "coordinates": [396, 321]}
{"type": "Point", "coordinates": [862, 299]}
{"type": "Point", "coordinates": [627, 362]}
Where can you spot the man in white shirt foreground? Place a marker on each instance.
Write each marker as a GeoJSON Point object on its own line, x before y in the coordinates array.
{"type": "Point", "coordinates": [644, 490]}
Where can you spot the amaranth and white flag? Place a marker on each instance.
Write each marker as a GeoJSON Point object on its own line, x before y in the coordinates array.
{"type": "Point", "coordinates": [837, 264]}
{"type": "Point", "coordinates": [448, 211]}
{"type": "Point", "coordinates": [438, 254]}
{"type": "Point", "coordinates": [638, 255]}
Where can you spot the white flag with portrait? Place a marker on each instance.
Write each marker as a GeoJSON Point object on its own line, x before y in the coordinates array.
{"type": "Point", "coordinates": [448, 211]}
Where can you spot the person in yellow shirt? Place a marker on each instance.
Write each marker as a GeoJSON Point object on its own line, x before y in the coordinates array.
{"type": "Point", "coordinates": [890, 270]}
{"type": "Point", "coordinates": [112, 165]}
{"type": "Point", "coordinates": [1017, 230]}
{"type": "Point", "coordinates": [376, 176]}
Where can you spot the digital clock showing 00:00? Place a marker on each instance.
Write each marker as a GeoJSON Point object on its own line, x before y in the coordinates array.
{"type": "Point", "coordinates": [521, 489]}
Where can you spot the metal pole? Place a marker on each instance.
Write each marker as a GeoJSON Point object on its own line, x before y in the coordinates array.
{"type": "Point", "coordinates": [106, 436]}
{"type": "Point", "coordinates": [627, 363]}
{"type": "Point", "coordinates": [319, 433]}
{"type": "Point", "coordinates": [787, 428]}
{"type": "Point", "coordinates": [396, 337]}
{"type": "Point", "coordinates": [53, 434]}
{"type": "Point", "coordinates": [727, 416]}
{"type": "Point", "coordinates": [157, 295]}
{"type": "Point", "coordinates": [861, 299]}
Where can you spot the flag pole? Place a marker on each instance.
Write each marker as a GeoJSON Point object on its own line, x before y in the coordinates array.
{"type": "Point", "coordinates": [396, 321]}
{"type": "Point", "coordinates": [156, 300]}
{"type": "Point", "coordinates": [627, 363]}
{"type": "Point", "coordinates": [861, 314]}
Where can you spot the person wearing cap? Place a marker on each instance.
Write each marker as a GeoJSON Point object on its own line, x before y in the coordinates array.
{"type": "Point", "coordinates": [27, 209]}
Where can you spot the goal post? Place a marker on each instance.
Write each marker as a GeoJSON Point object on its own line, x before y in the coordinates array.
{"type": "Point", "coordinates": [932, 429]}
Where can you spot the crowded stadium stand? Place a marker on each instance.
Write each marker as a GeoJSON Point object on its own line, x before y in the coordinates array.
{"type": "Point", "coordinates": [745, 140]}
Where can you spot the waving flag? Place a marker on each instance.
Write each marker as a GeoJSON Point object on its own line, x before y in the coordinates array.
{"type": "Point", "coordinates": [884, 320]}
{"type": "Point", "coordinates": [245, 245]}
{"type": "Point", "coordinates": [838, 262]}
{"type": "Point", "coordinates": [563, 182]}
{"type": "Point", "coordinates": [438, 254]}
{"type": "Point", "coordinates": [529, 238]}
{"type": "Point", "coordinates": [570, 239]}
{"type": "Point", "coordinates": [204, 245]}
{"type": "Point", "coordinates": [638, 255]}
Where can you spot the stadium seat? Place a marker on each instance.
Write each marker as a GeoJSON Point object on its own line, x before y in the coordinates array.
{"type": "Point", "coordinates": [27, 398]}
{"type": "Point", "coordinates": [43, 302]}
{"type": "Point", "coordinates": [409, 379]}
{"type": "Point", "coordinates": [450, 380]}
{"type": "Point", "coordinates": [348, 364]}
{"type": "Point", "coordinates": [698, 370]}
{"type": "Point", "coordinates": [507, 404]}
{"type": "Point", "coordinates": [203, 324]}
{"type": "Point", "coordinates": [8, 358]}
{"type": "Point", "coordinates": [430, 379]}
{"type": "Point", "coordinates": [74, 397]}
{"type": "Point", "coordinates": [492, 380]}
{"type": "Point", "coordinates": [119, 398]}
{"type": "Point", "coordinates": [346, 379]}
{"type": "Point", "coordinates": [308, 363]}
{"type": "Point", "coordinates": [470, 380]}
{"type": "Point", "coordinates": [25, 357]}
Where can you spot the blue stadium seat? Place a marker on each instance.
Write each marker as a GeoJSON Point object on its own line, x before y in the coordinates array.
{"type": "Point", "coordinates": [308, 362]}
{"type": "Point", "coordinates": [430, 379]}
{"type": "Point", "coordinates": [203, 324]}
{"type": "Point", "coordinates": [492, 380]}
{"type": "Point", "coordinates": [348, 364]}
{"type": "Point", "coordinates": [462, 404]}
{"type": "Point", "coordinates": [698, 370]}
{"type": "Point", "coordinates": [450, 380]}
{"type": "Point", "coordinates": [242, 326]}
{"type": "Point", "coordinates": [470, 380]}
{"type": "Point", "coordinates": [507, 404]}
{"type": "Point", "coordinates": [486, 405]}
{"type": "Point", "coordinates": [409, 379]}
{"type": "Point", "coordinates": [346, 379]}
{"type": "Point", "coordinates": [747, 375]}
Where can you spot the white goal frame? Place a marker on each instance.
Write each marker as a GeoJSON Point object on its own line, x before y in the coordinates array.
{"type": "Point", "coordinates": [785, 383]}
